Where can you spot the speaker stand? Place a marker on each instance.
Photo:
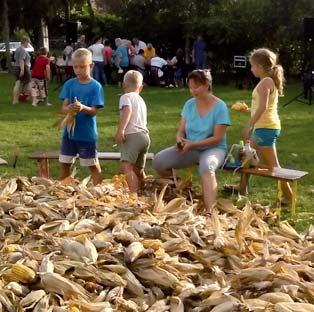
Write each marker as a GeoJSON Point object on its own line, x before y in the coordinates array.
{"type": "Point", "coordinates": [298, 98]}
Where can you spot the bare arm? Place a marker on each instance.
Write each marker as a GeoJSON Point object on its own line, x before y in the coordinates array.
{"type": "Point", "coordinates": [66, 105]}
{"type": "Point", "coordinates": [263, 90]}
{"type": "Point", "coordinates": [181, 130]}
{"type": "Point", "coordinates": [47, 72]}
{"type": "Point", "coordinates": [125, 117]}
{"type": "Point", "coordinates": [104, 56]}
{"type": "Point", "coordinates": [88, 110]}
{"type": "Point", "coordinates": [22, 67]}
{"type": "Point", "coordinates": [126, 113]}
{"type": "Point", "coordinates": [118, 59]}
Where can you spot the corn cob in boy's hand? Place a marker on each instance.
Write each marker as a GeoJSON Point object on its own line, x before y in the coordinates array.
{"type": "Point", "coordinates": [240, 106]}
{"type": "Point", "coordinates": [67, 121]}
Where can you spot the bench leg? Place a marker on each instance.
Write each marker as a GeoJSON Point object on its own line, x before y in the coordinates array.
{"type": "Point", "coordinates": [294, 199]}
{"type": "Point", "coordinates": [39, 167]}
{"type": "Point", "coordinates": [244, 184]}
{"type": "Point", "coordinates": [47, 168]}
{"type": "Point", "coordinates": [278, 199]}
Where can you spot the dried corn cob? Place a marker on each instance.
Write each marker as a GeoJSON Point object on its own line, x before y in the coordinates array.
{"type": "Point", "coordinates": [22, 273]}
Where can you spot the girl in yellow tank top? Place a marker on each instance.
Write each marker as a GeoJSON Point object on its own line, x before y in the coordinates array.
{"type": "Point", "coordinates": [269, 119]}
{"type": "Point", "coordinates": [263, 128]}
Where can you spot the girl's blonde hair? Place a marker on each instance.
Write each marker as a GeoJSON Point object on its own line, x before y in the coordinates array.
{"type": "Point", "coordinates": [268, 60]}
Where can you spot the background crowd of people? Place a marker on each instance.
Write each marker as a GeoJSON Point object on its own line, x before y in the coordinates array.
{"type": "Point", "coordinates": [113, 59]}
{"type": "Point", "coordinates": [111, 62]}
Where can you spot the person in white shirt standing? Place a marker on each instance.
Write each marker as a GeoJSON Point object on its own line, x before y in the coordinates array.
{"type": "Point", "coordinates": [98, 60]}
{"type": "Point", "coordinates": [138, 44]}
{"type": "Point", "coordinates": [132, 133]}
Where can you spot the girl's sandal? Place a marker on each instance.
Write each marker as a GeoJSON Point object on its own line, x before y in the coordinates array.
{"type": "Point", "coordinates": [285, 202]}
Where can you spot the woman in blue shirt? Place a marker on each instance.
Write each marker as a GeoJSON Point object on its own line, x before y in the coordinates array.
{"type": "Point", "coordinates": [121, 59]}
{"type": "Point", "coordinates": [201, 137]}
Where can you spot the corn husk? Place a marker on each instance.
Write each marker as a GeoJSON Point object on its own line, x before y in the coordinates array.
{"type": "Point", "coordinates": [239, 106]}
{"type": "Point", "coordinates": [72, 246]}
{"type": "Point", "coordinates": [68, 121]}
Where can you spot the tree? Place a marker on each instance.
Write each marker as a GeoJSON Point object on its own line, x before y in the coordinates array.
{"type": "Point", "coordinates": [28, 14]}
{"type": "Point", "coordinates": [229, 26]}
{"type": "Point", "coordinates": [6, 32]}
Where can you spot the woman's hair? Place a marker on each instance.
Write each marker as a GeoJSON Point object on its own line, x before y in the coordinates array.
{"type": "Point", "coordinates": [25, 39]}
{"type": "Point", "coordinates": [96, 39]}
{"type": "Point", "coordinates": [268, 60]}
{"type": "Point", "coordinates": [133, 79]}
{"type": "Point", "coordinates": [82, 53]}
{"type": "Point", "coordinates": [201, 76]}
{"type": "Point", "coordinates": [43, 51]}
{"type": "Point", "coordinates": [118, 41]}
{"type": "Point", "coordinates": [126, 42]}
{"type": "Point", "coordinates": [180, 53]}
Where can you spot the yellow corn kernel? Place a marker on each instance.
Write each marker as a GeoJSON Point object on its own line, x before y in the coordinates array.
{"type": "Point", "coordinates": [23, 273]}
{"type": "Point", "coordinates": [11, 248]}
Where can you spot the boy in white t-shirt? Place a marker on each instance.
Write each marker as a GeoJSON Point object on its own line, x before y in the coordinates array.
{"type": "Point", "coordinates": [132, 133]}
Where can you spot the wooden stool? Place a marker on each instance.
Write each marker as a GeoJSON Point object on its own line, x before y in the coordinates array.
{"type": "Point", "coordinates": [280, 174]}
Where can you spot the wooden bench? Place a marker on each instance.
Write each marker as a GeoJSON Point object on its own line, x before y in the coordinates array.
{"type": "Point", "coordinates": [44, 157]}
{"type": "Point", "coordinates": [3, 162]}
{"type": "Point", "coordinates": [279, 174]}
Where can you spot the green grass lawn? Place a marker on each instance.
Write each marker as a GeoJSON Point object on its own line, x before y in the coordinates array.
{"type": "Point", "coordinates": [26, 129]}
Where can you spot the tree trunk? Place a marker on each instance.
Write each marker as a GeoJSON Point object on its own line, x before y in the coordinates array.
{"type": "Point", "coordinates": [91, 9]}
{"type": "Point", "coordinates": [44, 31]}
{"type": "Point", "coordinates": [187, 30]}
{"type": "Point", "coordinates": [6, 34]}
{"type": "Point", "coordinates": [67, 10]}
{"type": "Point", "coordinates": [43, 34]}
{"type": "Point", "coordinates": [187, 48]}
{"type": "Point", "coordinates": [91, 15]}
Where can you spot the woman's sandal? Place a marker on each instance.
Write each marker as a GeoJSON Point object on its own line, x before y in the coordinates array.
{"type": "Point", "coordinates": [232, 187]}
{"type": "Point", "coordinates": [207, 214]}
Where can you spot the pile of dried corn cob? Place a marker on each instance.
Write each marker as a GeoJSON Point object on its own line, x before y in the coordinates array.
{"type": "Point", "coordinates": [75, 247]}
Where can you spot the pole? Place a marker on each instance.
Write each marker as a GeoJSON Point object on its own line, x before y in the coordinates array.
{"type": "Point", "coordinates": [187, 34]}
{"type": "Point", "coordinates": [6, 33]}
{"type": "Point", "coordinates": [44, 34]}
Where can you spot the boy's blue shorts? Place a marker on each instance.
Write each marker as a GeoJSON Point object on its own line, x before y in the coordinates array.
{"type": "Point", "coordinates": [265, 137]}
{"type": "Point", "coordinates": [86, 151]}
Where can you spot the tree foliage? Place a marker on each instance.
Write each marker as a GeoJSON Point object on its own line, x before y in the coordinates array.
{"type": "Point", "coordinates": [229, 26]}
